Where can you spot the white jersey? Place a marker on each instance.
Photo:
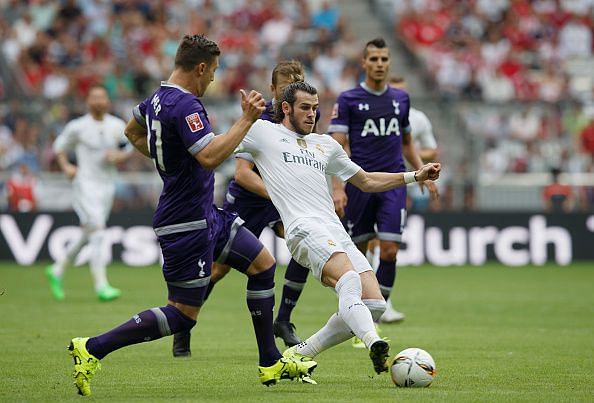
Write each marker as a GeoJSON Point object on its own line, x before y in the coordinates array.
{"type": "Point", "coordinates": [91, 139]}
{"type": "Point", "coordinates": [295, 170]}
{"type": "Point", "coordinates": [422, 130]}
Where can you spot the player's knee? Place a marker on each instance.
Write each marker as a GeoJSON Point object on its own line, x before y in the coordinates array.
{"type": "Point", "coordinates": [263, 262]}
{"type": "Point", "coordinates": [279, 229]}
{"type": "Point", "coordinates": [96, 236]}
{"type": "Point", "coordinates": [376, 306]}
{"type": "Point", "coordinates": [92, 227]}
{"type": "Point", "coordinates": [264, 275]}
{"type": "Point", "coordinates": [388, 253]}
{"type": "Point", "coordinates": [218, 272]}
{"type": "Point", "coordinates": [177, 321]}
{"type": "Point", "coordinates": [349, 283]}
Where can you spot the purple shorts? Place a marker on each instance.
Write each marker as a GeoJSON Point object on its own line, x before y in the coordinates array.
{"type": "Point", "coordinates": [257, 212]}
{"type": "Point", "coordinates": [188, 256]}
{"type": "Point", "coordinates": [371, 215]}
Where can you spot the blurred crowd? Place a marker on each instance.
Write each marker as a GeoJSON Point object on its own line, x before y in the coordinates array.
{"type": "Point", "coordinates": [56, 49]}
{"type": "Point", "coordinates": [522, 72]}
{"type": "Point", "coordinates": [532, 138]}
{"type": "Point", "coordinates": [492, 52]}
{"type": "Point", "coordinates": [53, 51]}
{"type": "Point", "coordinates": [502, 50]}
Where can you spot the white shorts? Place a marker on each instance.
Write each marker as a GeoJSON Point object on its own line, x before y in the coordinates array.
{"type": "Point", "coordinates": [92, 202]}
{"type": "Point", "coordinates": [311, 244]}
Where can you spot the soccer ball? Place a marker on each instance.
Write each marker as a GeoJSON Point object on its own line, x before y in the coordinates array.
{"type": "Point", "coordinates": [413, 368]}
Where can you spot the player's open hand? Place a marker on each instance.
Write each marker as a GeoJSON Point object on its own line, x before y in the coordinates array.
{"type": "Point", "coordinates": [429, 171]}
{"type": "Point", "coordinates": [433, 190]}
{"type": "Point", "coordinates": [252, 104]}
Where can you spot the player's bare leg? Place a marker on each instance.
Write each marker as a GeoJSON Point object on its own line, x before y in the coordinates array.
{"type": "Point", "coordinates": [355, 316]}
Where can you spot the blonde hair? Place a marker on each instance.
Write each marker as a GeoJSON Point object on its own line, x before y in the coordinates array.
{"type": "Point", "coordinates": [291, 69]}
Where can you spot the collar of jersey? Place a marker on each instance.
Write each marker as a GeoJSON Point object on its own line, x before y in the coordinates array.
{"type": "Point", "coordinates": [374, 92]}
{"type": "Point", "coordinates": [168, 84]}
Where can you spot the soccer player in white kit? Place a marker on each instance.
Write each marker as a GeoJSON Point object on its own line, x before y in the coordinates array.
{"type": "Point", "coordinates": [99, 143]}
{"type": "Point", "coordinates": [422, 129]}
{"type": "Point", "coordinates": [295, 166]}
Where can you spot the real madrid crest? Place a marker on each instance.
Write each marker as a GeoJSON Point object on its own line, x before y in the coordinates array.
{"type": "Point", "coordinates": [301, 143]}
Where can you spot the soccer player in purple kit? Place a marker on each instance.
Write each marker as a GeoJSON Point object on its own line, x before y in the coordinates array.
{"type": "Point", "coordinates": [372, 120]}
{"type": "Point", "coordinates": [171, 126]}
{"type": "Point", "coordinates": [247, 196]}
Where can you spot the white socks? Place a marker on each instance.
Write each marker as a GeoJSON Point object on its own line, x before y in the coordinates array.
{"type": "Point", "coordinates": [336, 331]}
{"type": "Point", "coordinates": [73, 251]}
{"type": "Point", "coordinates": [376, 306]}
{"type": "Point", "coordinates": [354, 317]}
{"type": "Point", "coordinates": [97, 260]}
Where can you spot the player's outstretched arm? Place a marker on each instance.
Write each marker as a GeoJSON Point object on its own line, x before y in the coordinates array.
{"type": "Point", "coordinates": [248, 179]}
{"type": "Point", "coordinates": [137, 136]}
{"type": "Point", "coordinates": [339, 196]}
{"type": "Point", "coordinates": [382, 181]}
{"type": "Point", "coordinates": [222, 146]}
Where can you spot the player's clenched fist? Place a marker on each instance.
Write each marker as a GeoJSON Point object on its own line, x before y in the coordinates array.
{"type": "Point", "coordinates": [252, 104]}
{"type": "Point", "coordinates": [428, 172]}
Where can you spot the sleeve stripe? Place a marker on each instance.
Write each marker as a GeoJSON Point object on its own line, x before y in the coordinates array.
{"type": "Point", "coordinates": [200, 144]}
{"type": "Point", "coordinates": [348, 172]}
{"type": "Point", "coordinates": [138, 116]}
{"type": "Point", "coordinates": [338, 128]}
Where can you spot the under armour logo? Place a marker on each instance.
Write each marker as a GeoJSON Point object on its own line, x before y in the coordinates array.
{"type": "Point", "coordinates": [201, 264]}
{"type": "Point", "coordinates": [396, 106]}
{"type": "Point", "coordinates": [363, 107]}
{"type": "Point", "coordinates": [350, 226]}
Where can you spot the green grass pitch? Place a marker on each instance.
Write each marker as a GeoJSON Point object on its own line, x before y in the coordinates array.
{"type": "Point", "coordinates": [496, 334]}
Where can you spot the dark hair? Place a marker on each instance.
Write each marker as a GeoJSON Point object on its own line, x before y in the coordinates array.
{"type": "Point", "coordinates": [292, 69]}
{"type": "Point", "coordinates": [195, 49]}
{"type": "Point", "coordinates": [290, 96]}
{"type": "Point", "coordinates": [379, 43]}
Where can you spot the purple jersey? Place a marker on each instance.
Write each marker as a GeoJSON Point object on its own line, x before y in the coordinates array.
{"type": "Point", "coordinates": [268, 114]}
{"type": "Point", "coordinates": [178, 128]}
{"type": "Point", "coordinates": [375, 122]}
{"type": "Point", "coordinates": [236, 191]}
